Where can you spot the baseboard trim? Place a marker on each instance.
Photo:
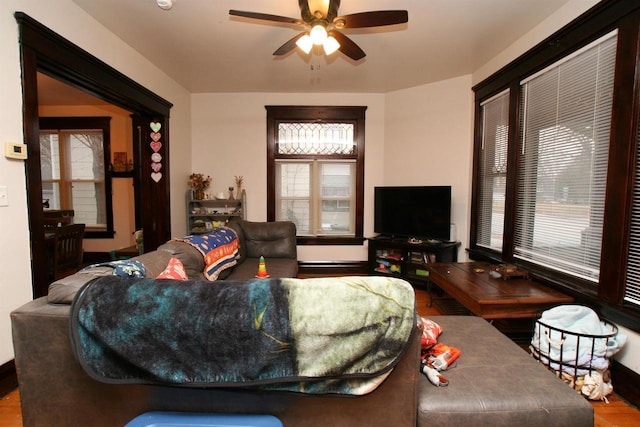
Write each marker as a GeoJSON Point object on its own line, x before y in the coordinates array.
{"type": "Point", "coordinates": [625, 382]}
{"type": "Point", "coordinates": [331, 268]}
{"type": "Point", "coordinates": [8, 378]}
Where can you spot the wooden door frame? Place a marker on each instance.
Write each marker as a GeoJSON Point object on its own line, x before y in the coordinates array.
{"type": "Point", "coordinates": [42, 50]}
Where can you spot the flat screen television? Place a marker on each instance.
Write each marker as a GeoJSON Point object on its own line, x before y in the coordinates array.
{"type": "Point", "coordinates": [421, 212]}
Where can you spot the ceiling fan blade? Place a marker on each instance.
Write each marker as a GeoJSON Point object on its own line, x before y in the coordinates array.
{"type": "Point", "coordinates": [288, 46]}
{"type": "Point", "coordinates": [265, 17]}
{"type": "Point", "coordinates": [306, 14]}
{"type": "Point", "coordinates": [332, 11]}
{"type": "Point", "coordinates": [372, 19]}
{"type": "Point", "coordinates": [348, 46]}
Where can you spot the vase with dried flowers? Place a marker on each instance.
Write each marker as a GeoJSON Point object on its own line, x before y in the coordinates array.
{"type": "Point", "coordinates": [239, 181]}
{"type": "Point", "coordinates": [198, 183]}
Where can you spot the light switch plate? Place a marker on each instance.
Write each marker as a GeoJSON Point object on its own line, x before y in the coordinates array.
{"type": "Point", "coordinates": [13, 150]}
{"type": "Point", "coordinates": [4, 196]}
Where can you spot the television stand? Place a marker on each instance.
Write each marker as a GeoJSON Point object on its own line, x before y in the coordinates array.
{"type": "Point", "coordinates": [405, 260]}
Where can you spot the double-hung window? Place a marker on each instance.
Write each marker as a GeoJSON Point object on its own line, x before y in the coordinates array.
{"type": "Point", "coordinates": [316, 171]}
{"type": "Point", "coordinates": [73, 158]}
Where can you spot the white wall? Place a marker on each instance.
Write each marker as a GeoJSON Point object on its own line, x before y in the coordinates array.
{"type": "Point", "coordinates": [428, 141]}
{"type": "Point", "coordinates": [553, 23]}
{"type": "Point", "coordinates": [65, 18]}
{"type": "Point", "coordinates": [229, 138]}
{"type": "Point", "coordinates": [630, 354]}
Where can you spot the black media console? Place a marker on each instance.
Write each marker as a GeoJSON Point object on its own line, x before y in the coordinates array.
{"type": "Point", "coordinates": [400, 258]}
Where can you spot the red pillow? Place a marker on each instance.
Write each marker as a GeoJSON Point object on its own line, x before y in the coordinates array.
{"type": "Point", "coordinates": [174, 270]}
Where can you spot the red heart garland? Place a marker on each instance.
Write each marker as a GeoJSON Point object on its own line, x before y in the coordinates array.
{"type": "Point", "coordinates": [155, 136]}
{"type": "Point", "coordinates": [155, 146]}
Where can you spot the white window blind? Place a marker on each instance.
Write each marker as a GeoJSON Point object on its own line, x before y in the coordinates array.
{"type": "Point", "coordinates": [493, 171]}
{"type": "Point", "coordinates": [566, 120]}
{"type": "Point", "coordinates": [632, 289]}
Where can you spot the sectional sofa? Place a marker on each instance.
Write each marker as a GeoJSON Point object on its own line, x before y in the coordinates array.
{"type": "Point", "coordinates": [493, 383]}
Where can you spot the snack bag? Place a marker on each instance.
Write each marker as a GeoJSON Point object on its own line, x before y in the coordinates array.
{"type": "Point", "coordinates": [430, 333]}
{"type": "Point", "coordinates": [441, 356]}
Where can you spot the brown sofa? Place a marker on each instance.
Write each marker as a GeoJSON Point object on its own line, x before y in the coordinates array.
{"type": "Point", "coordinates": [493, 383]}
{"type": "Point", "coordinates": [56, 391]}
{"type": "Point", "coordinates": [275, 241]}
{"type": "Point", "coordinates": [496, 383]}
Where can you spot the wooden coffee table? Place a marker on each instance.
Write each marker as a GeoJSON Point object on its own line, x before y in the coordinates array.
{"type": "Point", "coordinates": [493, 298]}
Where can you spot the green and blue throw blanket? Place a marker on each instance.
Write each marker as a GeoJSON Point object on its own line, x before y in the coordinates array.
{"type": "Point", "coordinates": [326, 335]}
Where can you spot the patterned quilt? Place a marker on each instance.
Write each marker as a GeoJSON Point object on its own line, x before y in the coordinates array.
{"type": "Point", "coordinates": [327, 335]}
{"type": "Point", "coordinates": [219, 249]}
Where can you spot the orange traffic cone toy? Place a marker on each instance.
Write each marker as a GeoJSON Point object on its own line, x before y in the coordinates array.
{"type": "Point", "coordinates": [262, 269]}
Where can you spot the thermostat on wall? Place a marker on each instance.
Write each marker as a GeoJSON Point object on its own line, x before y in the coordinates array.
{"type": "Point", "coordinates": [15, 151]}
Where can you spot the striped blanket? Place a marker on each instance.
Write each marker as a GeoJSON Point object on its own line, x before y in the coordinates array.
{"type": "Point", "coordinates": [219, 249]}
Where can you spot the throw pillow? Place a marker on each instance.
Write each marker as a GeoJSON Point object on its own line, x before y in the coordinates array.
{"type": "Point", "coordinates": [174, 270]}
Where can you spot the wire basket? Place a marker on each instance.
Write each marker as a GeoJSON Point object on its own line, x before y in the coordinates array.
{"type": "Point", "coordinates": [571, 355]}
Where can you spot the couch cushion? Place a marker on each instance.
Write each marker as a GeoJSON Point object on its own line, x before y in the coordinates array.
{"type": "Point", "coordinates": [63, 291]}
{"type": "Point", "coordinates": [242, 245]}
{"type": "Point", "coordinates": [495, 382]}
{"type": "Point", "coordinates": [276, 268]}
{"type": "Point", "coordinates": [270, 239]}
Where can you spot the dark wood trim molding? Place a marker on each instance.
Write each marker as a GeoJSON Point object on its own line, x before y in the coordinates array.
{"type": "Point", "coordinates": [63, 60]}
{"type": "Point", "coordinates": [625, 382]}
{"type": "Point", "coordinates": [8, 378]}
{"type": "Point", "coordinates": [331, 268]}
{"type": "Point", "coordinates": [43, 50]}
{"type": "Point", "coordinates": [315, 113]}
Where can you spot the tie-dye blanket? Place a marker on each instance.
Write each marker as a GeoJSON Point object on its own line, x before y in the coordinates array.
{"type": "Point", "coordinates": [326, 335]}
{"type": "Point", "coordinates": [219, 249]}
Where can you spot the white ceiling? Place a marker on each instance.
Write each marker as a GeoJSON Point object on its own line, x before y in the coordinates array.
{"type": "Point", "coordinates": [205, 50]}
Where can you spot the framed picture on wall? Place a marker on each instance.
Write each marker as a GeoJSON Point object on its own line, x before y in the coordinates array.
{"type": "Point", "coordinates": [119, 161]}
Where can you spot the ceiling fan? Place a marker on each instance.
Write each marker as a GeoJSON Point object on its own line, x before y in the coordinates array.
{"type": "Point", "coordinates": [321, 22]}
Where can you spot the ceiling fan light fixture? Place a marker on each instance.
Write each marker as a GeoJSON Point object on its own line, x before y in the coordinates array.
{"type": "Point", "coordinates": [330, 45]}
{"type": "Point", "coordinates": [164, 4]}
{"type": "Point", "coordinates": [318, 34]}
{"type": "Point", "coordinates": [305, 43]}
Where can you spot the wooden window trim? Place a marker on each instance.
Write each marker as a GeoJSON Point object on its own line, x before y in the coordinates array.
{"type": "Point", "coordinates": [355, 114]}
{"type": "Point", "coordinates": [104, 124]}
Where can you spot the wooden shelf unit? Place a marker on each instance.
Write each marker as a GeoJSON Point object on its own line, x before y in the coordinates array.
{"type": "Point", "coordinates": [206, 215]}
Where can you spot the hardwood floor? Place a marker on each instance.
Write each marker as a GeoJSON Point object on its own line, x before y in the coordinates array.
{"type": "Point", "coordinates": [616, 413]}
{"type": "Point", "coordinates": [10, 415]}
